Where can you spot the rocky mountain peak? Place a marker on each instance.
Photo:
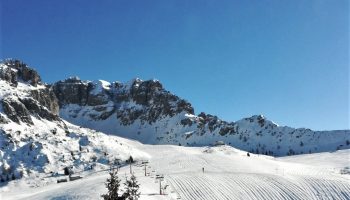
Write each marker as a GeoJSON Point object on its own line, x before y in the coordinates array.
{"type": "Point", "coordinates": [31, 99]}
{"type": "Point", "coordinates": [141, 100]}
{"type": "Point", "coordinates": [13, 70]}
{"type": "Point", "coordinates": [72, 79]}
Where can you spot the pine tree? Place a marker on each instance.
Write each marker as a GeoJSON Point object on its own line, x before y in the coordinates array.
{"type": "Point", "coordinates": [131, 159]}
{"type": "Point", "coordinates": [131, 188]}
{"type": "Point", "coordinates": [112, 185]}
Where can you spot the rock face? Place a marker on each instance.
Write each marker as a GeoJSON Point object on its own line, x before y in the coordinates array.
{"type": "Point", "coordinates": [41, 101]}
{"type": "Point", "coordinates": [36, 109]}
{"type": "Point", "coordinates": [17, 70]}
{"type": "Point", "coordinates": [71, 91]}
{"type": "Point", "coordinates": [47, 98]}
{"type": "Point", "coordinates": [8, 74]}
{"type": "Point", "coordinates": [22, 109]}
{"type": "Point", "coordinates": [146, 111]}
{"type": "Point", "coordinates": [16, 110]}
{"type": "Point", "coordinates": [150, 101]}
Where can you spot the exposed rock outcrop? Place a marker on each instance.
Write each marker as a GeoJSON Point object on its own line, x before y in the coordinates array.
{"type": "Point", "coordinates": [9, 74]}
{"type": "Point", "coordinates": [151, 100]}
{"type": "Point", "coordinates": [40, 102]}
{"type": "Point", "coordinates": [16, 110]}
{"type": "Point", "coordinates": [16, 70]}
{"type": "Point", "coordinates": [71, 91]}
{"type": "Point", "coordinates": [36, 109]}
{"type": "Point", "coordinates": [22, 110]}
{"type": "Point", "coordinates": [47, 98]}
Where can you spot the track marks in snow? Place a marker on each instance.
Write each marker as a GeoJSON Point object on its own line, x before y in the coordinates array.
{"type": "Point", "coordinates": [256, 187]}
{"type": "Point", "coordinates": [233, 175]}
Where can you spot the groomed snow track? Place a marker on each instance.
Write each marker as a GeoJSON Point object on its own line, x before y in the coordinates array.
{"type": "Point", "coordinates": [245, 186]}
{"type": "Point", "coordinates": [228, 174]}
{"type": "Point", "coordinates": [231, 174]}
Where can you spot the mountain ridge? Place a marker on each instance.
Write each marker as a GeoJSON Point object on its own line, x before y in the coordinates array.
{"type": "Point", "coordinates": [147, 112]}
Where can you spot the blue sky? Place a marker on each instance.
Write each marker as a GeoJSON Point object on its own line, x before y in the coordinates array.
{"type": "Point", "coordinates": [287, 60]}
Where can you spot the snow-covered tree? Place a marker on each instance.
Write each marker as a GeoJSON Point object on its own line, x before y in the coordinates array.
{"type": "Point", "coordinates": [112, 184]}
{"type": "Point", "coordinates": [132, 188]}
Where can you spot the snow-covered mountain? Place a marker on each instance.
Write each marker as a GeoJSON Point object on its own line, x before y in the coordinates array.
{"type": "Point", "coordinates": [147, 112]}
{"type": "Point", "coordinates": [45, 129]}
{"type": "Point", "coordinates": [35, 141]}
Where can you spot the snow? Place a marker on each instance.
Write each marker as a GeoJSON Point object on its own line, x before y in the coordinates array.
{"type": "Point", "coordinates": [133, 82]}
{"type": "Point", "coordinates": [228, 174]}
{"type": "Point", "coordinates": [100, 86]}
{"type": "Point", "coordinates": [90, 187]}
{"type": "Point", "coordinates": [330, 160]}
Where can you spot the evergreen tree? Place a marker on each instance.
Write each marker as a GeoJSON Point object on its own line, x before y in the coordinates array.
{"type": "Point", "coordinates": [131, 189]}
{"type": "Point", "coordinates": [112, 185]}
{"type": "Point", "coordinates": [130, 160]}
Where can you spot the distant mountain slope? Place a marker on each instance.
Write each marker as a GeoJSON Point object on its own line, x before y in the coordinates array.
{"type": "Point", "coordinates": [145, 111]}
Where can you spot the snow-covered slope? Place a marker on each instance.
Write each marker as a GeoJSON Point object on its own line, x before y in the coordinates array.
{"type": "Point", "coordinates": [228, 174]}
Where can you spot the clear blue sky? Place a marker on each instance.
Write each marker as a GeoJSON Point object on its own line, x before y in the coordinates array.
{"type": "Point", "coordinates": [287, 60]}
